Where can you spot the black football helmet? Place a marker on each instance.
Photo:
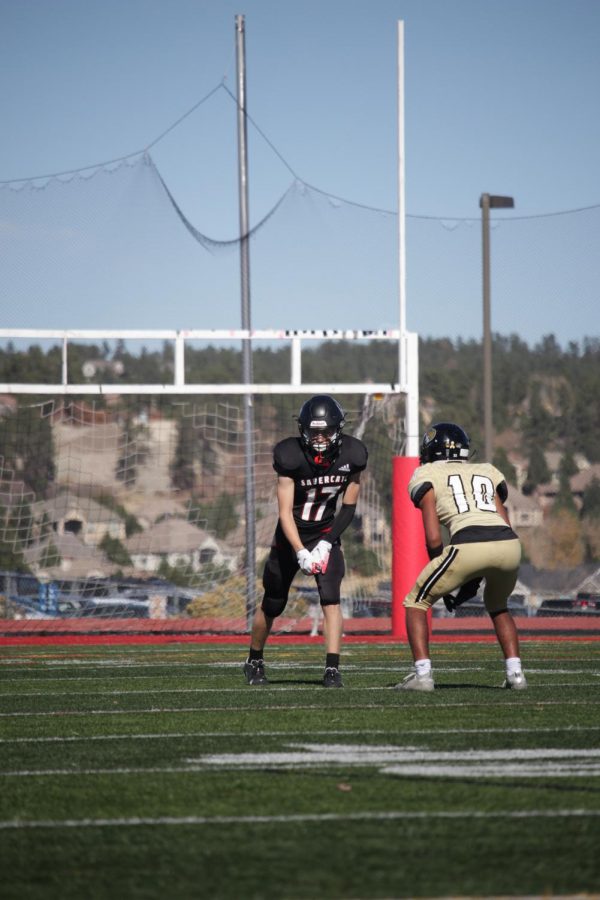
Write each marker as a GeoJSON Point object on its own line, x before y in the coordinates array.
{"type": "Point", "coordinates": [320, 422]}
{"type": "Point", "coordinates": [445, 440]}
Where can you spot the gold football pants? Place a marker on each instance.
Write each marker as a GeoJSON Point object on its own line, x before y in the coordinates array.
{"type": "Point", "coordinates": [496, 561]}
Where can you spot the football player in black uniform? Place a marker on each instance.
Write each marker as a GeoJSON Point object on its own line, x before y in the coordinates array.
{"type": "Point", "coordinates": [313, 471]}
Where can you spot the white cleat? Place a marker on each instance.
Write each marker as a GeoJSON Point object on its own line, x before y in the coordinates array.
{"type": "Point", "coordinates": [515, 682]}
{"type": "Point", "coordinates": [414, 682]}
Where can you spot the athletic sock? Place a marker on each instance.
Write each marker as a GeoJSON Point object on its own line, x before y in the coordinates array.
{"type": "Point", "coordinates": [423, 667]}
{"type": "Point", "coordinates": [332, 661]}
{"type": "Point", "coordinates": [254, 654]}
{"type": "Point", "coordinates": [513, 664]}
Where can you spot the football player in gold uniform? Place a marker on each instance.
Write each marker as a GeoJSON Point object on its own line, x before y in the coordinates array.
{"type": "Point", "coordinates": [468, 500]}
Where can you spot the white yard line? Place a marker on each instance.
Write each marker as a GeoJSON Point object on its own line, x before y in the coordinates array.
{"type": "Point", "coordinates": [398, 666]}
{"type": "Point", "coordinates": [524, 706]}
{"type": "Point", "coordinates": [279, 688]}
{"type": "Point", "coordinates": [304, 733]}
{"type": "Point", "coordinates": [407, 815]}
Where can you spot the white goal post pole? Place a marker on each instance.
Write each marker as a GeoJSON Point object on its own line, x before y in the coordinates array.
{"type": "Point", "coordinates": [408, 546]}
{"type": "Point", "coordinates": [401, 188]}
{"type": "Point", "coordinates": [408, 344]}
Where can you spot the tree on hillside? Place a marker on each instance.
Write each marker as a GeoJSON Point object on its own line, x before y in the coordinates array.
{"type": "Point", "coordinates": [133, 451]}
{"type": "Point", "coordinates": [182, 467]}
{"type": "Point", "coordinates": [114, 550]}
{"type": "Point", "coordinates": [50, 557]}
{"type": "Point", "coordinates": [559, 544]}
{"type": "Point", "coordinates": [219, 517]}
{"type": "Point", "coordinates": [11, 559]}
{"type": "Point", "coordinates": [502, 462]}
{"type": "Point", "coordinates": [537, 470]}
{"type": "Point", "coordinates": [591, 534]}
{"type": "Point", "coordinates": [132, 526]}
{"type": "Point", "coordinates": [27, 447]}
{"type": "Point", "coordinates": [590, 508]}
{"type": "Point", "coordinates": [564, 498]}
{"type": "Point", "coordinates": [568, 466]}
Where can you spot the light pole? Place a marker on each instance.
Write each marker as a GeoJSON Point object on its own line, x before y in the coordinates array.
{"type": "Point", "coordinates": [487, 202]}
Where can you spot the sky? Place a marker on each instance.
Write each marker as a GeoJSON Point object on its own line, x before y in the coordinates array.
{"type": "Point", "coordinates": [501, 96]}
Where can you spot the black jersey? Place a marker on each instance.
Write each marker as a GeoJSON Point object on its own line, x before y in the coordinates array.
{"type": "Point", "coordinates": [317, 487]}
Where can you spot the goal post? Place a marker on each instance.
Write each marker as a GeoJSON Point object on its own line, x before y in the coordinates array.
{"type": "Point", "coordinates": [155, 449]}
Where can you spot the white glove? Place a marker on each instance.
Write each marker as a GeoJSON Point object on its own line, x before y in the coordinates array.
{"type": "Point", "coordinates": [305, 561]}
{"type": "Point", "coordinates": [320, 557]}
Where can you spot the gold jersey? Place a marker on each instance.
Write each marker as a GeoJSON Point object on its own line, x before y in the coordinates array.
{"type": "Point", "coordinates": [464, 493]}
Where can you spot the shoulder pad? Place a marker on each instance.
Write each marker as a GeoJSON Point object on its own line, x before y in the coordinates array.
{"type": "Point", "coordinates": [287, 456]}
{"type": "Point", "coordinates": [419, 491]}
{"type": "Point", "coordinates": [357, 451]}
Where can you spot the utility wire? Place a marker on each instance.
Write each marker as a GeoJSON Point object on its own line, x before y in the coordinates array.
{"type": "Point", "coordinates": [118, 159]}
{"type": "Point", "coordinates": [223, 86]}
{"type": "Point", "coordinates": [264, 137]}
{"type": "Point", "coordinates": [185, 115]}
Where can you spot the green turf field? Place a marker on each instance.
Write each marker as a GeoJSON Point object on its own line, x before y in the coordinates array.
{"type": "Point", "coordinates": [147, 772]}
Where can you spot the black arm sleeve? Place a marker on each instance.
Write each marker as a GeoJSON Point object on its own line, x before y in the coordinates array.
{"type": "Point", "coordinates": [341, 522]}
{"type": "Point", "coordinates": [435, 551]}
{"type": "Point", "coordinates": [502, 491]}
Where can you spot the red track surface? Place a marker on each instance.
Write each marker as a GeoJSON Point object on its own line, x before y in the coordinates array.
{"type": "Point", "coordinates": [23, 632]}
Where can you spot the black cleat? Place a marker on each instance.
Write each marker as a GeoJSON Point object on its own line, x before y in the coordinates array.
{"type": "Point", "coordinates": [332, 678]}
{"type": "Point", "coordinates": [255, 672]}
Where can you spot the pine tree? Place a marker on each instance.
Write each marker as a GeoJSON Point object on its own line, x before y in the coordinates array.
{"type": "Point", "coordinates": [537, 470]}
{"type": "Point", "coordinates": [591, 501]}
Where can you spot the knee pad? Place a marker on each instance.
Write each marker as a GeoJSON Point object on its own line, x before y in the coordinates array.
{"type": "Point", "coordinates": [273, 606]}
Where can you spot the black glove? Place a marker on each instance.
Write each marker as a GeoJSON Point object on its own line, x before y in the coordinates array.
{"type": "Point", "coordinates": [464, 593]}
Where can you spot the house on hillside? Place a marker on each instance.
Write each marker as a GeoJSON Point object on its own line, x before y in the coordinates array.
{"type": "Point", "coordinates": [266, 523]}
{"type": "Point", "coordinates": [546, 493]}
{"type": "Point", "coordinates": [538, 585]}
{"type": "Point", "coordinates": [81, 516]}
{"type": "Point", "coordinates": [77, 560]}
{"type": "Point", "coordinates": [148, 509]}
{"type": "Point", "coordinates": [590, 586]}
{"type": "Point", "coordinates": [524, 512]}
{"type": "Point", "coordinates": [178, 543]}
{"type": "Point", "coordinates": [13, 492]}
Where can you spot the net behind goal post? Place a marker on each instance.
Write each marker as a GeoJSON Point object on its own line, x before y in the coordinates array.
{"type": "Point", "coordinates": [126, 504]}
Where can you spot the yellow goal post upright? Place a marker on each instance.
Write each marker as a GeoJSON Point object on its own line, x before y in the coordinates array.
{"type": "Point", "coordinates": [404, 386]}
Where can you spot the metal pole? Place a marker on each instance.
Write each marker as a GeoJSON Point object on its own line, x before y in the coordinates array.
{"type": "Point", "coordinates": [250, 562]}
{"type": "Point", "coordinates": [488, 428]}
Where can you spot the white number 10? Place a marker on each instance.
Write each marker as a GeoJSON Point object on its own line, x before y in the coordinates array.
{"type": "Point", "coordinates": [482, 489]}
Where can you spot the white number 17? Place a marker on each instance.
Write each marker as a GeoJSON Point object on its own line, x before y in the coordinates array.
{"type": "Point", "coordinates": [309, 513]}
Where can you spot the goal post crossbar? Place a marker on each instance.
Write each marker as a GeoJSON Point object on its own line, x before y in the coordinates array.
{"type": "Point", "coordinates": [236, 389]}
{"type": "Point", "coordinates": [406, 379]}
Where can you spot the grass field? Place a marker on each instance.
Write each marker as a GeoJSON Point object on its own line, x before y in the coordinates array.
{"type": "Point", "coordinates": [147, 772]}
